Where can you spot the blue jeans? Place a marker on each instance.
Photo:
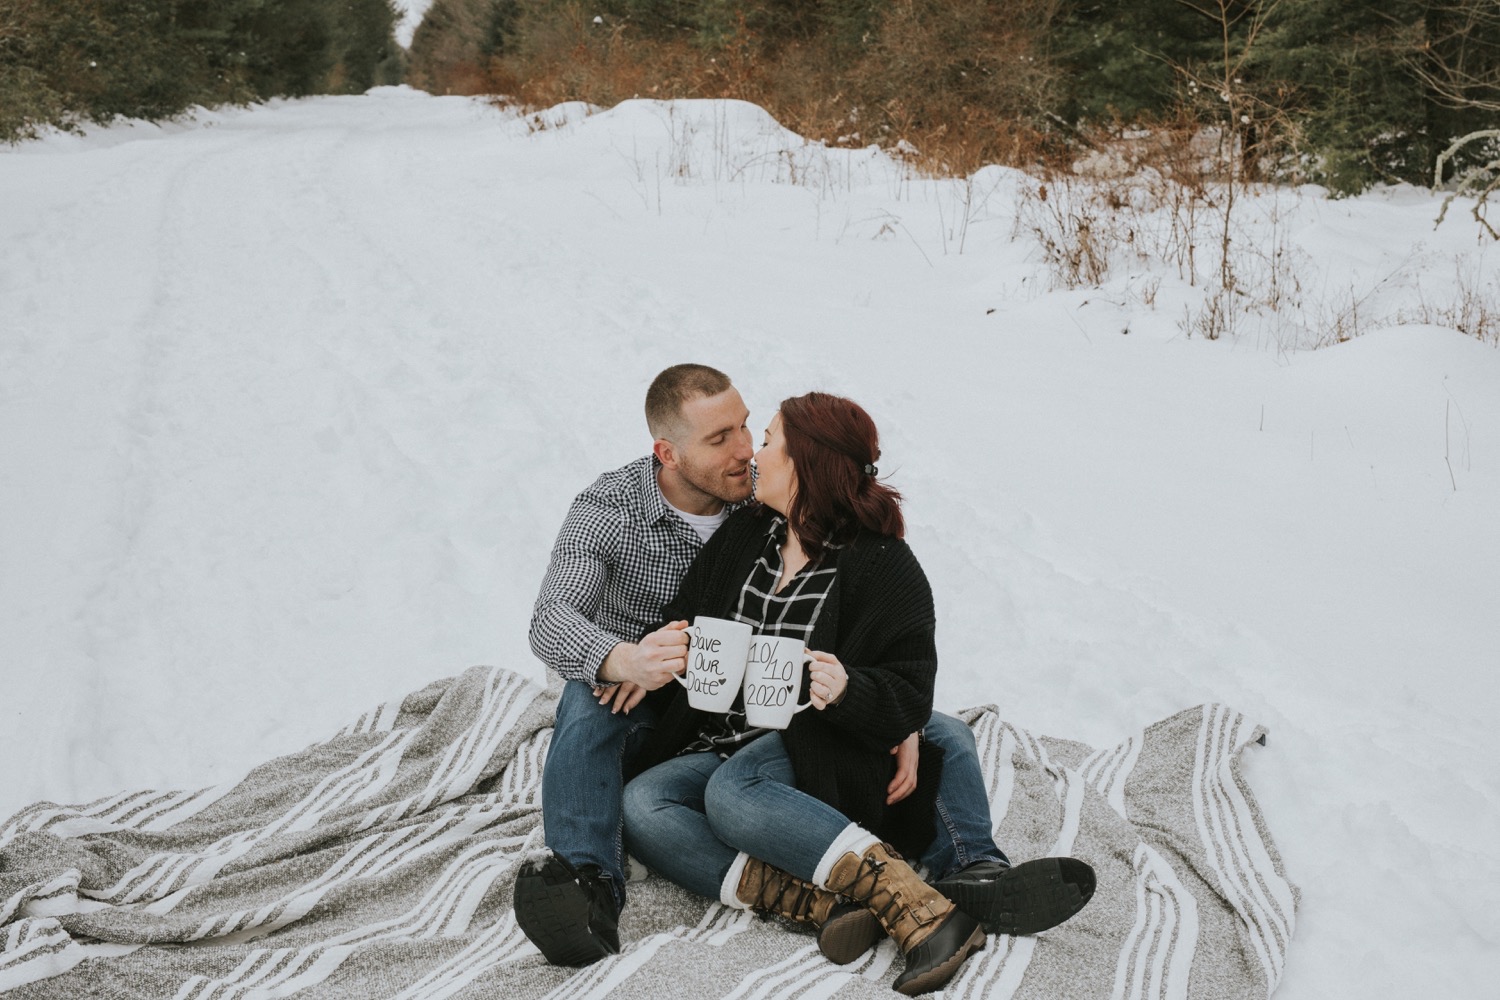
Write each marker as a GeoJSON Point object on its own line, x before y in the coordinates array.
{"type": "Point", "coordinates": [688, 817]}
{"type": "Point", "coordinates": [684, 821]}
{"type": "Point", "coordinates": [583, 781]}
{"type": "Point", "coordinates": [665, 825]}
{"type": "Point", "coordinates": [963, 835]}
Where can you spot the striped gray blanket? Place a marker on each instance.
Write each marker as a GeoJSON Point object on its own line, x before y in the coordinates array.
{"type": "Point", "coordinates": [380, 864]}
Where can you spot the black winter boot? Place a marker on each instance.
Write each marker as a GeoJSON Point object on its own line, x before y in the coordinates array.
{"type": "Point", "coordinates": [1026, 899]}
{"type": "Point", "coordinates": [569, 914]}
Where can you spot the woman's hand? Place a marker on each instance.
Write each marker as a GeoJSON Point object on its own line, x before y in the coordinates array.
{"type": "Point", "coordinates": [827, 680]}
{"type": "Point", "coordinates": [905, 780]}
{"type": "Point", "coordinates": [625, 696]}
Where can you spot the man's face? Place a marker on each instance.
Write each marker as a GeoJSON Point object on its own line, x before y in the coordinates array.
{"type": "Point", "coordinates": [712, 447]}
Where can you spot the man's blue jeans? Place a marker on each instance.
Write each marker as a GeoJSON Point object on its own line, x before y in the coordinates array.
{"type": "Point", "coordinates": [583, 781]}
{"type": "Point", "coordinates": [964, 833]}
{"type": "Point", "coordinates": [688, 817]}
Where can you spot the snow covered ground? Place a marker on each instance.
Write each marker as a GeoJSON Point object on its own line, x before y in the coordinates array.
{"type": "Point", "coordinates": [292, 400]}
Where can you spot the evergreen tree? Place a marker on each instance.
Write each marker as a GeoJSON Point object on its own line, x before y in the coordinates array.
{"type": "Point", "coordinates": [1337, 70]}
{"type": "Point", "coordinates": [93, 59]}
{"type": "Point", "coordinates": [1123, 56]}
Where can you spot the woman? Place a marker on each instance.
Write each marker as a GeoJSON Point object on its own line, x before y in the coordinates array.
{"type": "Point", "coordinates": [820, 558]}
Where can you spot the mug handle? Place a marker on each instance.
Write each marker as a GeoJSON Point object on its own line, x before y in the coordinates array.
{"type": "Point", "coordinates": [807, 661]}
{"type": "Point", "coordinates": [682, 677]}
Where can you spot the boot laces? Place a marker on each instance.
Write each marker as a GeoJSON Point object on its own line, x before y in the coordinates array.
{"type": "Point", "coordinates": [871, 869]}
{"type": "Point", "coordinates": [892, 906]}
{"type": "Point", "coordinates": [800, 908]}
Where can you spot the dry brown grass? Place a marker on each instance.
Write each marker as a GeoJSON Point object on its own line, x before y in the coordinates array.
{"type": "Point", "coordinates": [959, 113]}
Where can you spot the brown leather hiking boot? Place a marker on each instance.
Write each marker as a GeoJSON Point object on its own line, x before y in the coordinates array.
{"type": "Point", "coordinates": [845, 932]}
{"type": "Point", "coordinates": [935, 936]}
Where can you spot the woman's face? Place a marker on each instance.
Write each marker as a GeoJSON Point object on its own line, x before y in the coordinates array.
{"type": "Point", "coordinates": [776, 480]}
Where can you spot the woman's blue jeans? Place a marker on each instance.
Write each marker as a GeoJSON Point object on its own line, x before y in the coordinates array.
{"type": "Point", "coordinates": [688, 817]}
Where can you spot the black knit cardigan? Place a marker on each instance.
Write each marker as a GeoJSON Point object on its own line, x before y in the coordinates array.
{"type": "Point", "coordinates": [878, 620]}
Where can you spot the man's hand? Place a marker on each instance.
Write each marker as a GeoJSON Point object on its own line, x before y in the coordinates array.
{"type": "Point", "coordinates": [905, 780]}
{"type": "Point", "coordinates": [648, 664]}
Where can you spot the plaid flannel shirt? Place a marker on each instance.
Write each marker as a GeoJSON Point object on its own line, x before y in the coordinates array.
{"type": "Point", "coordinates": [619, 557]}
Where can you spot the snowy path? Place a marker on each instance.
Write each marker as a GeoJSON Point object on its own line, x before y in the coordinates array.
{"type": "Point", "coordinates": [292, 400]}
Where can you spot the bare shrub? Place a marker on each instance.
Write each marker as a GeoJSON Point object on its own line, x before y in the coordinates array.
{"type": "Point", "coordinates": [1167, 177]}
{"type": "Point", "coordinates": [1073, 226]}
{"type": "Point", "coordinates": [964, 83]}
{"type": "Point", "coordinates": [1474, 309]}
{"type": "Point", "coordinates": [1340, 319]}
{"type": "Point", "coordinates": [1218, 316]}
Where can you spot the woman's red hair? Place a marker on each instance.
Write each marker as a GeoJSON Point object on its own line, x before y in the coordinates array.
{"type": "Point", "coordinates": [831, 442]}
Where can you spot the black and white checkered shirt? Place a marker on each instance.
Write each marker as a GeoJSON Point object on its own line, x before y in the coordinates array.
{"type": "Point", "coordinates": [619, 557]}
{"type": "Point", "coordinates": [792, 612]}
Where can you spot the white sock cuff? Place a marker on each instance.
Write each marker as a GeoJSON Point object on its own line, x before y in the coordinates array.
{"type": "Point", "coordinates": [729, 888]}
{"type": "Point", "coordinates": [853, 839]}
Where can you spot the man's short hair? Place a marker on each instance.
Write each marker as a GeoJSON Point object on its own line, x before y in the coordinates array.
{"type": "Point", "coordinates": [675, 386]}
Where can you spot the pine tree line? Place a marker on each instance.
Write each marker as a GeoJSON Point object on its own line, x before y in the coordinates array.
{"type": "Point", "coordinates": [63, 61]}
{"type": "Point", "coordinates": [1341, 92]}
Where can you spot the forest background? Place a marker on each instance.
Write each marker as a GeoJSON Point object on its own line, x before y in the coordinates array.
{"type": "Point", "coordinates": [63, 62]}
{"type": "Point", "coordinates": [1342, 93]}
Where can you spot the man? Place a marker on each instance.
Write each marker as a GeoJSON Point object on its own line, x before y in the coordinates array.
{"type": "Point", "coordinates": [622, 550]}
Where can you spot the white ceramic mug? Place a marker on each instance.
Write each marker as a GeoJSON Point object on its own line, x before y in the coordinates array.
{"type": "Point", "coordinates": [717, 649]}
{"type": "Point", "coordinates": [773, 676]}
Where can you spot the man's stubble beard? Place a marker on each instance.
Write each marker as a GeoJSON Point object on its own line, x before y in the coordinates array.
{"type": "Point", "coordinates": [716, 485]}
